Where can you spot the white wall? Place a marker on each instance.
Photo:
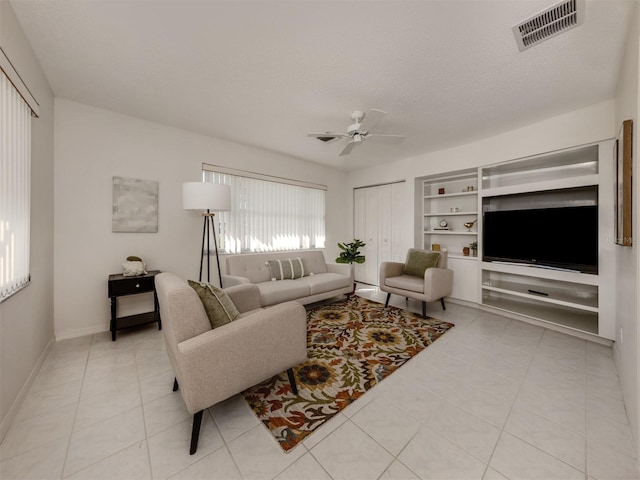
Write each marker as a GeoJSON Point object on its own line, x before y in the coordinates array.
{"type": "Point", "coordinates": [26, 319]}
{"type": "Point", "coordinates": [582, 126]}
{"type": "Point", "coordinates": [92, 146]}
{"type": "Point", "coordinates": [628, 258]}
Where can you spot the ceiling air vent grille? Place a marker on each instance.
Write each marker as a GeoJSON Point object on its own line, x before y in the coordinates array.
{"type": "Point", "coordinates": [549, 23]}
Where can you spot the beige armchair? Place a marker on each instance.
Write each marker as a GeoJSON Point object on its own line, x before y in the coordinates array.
{"type": "Point", "coordinates": [436, 284]}
{"type": "Point", "coordinates": [211, 365]}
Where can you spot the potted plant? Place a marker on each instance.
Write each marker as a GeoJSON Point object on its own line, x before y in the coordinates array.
{"type": "Point", "coordinates": [474, 249]}
{"type": "Point", "coordinates": [350, 252]}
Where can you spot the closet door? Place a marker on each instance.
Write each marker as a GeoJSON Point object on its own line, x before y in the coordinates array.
{"type": "Point", "coordinates": [359, 232]}
{"type": "Point", "coordinates": [371, 236]}
{"type": "Point", "coordinates": [385, 231]}
{"type": "Point", "coordinates": [401, 222]}
{"type": "Point", "coordinates": [379, 217]}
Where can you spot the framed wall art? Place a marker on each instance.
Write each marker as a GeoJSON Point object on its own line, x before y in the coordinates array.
{"type": "Point", "coordinates": [135, 206]}
{"type": "Point", "coordinates": [622, 151]}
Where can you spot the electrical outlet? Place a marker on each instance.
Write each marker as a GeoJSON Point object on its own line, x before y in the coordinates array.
{"type": "Point", "coordinates": [621, 336]}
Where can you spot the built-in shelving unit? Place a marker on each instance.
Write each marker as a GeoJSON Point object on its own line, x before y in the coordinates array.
{"type": "Point", "coordinates": [452, 199]}
{"type": "Point", "coordinates": [569, 299]}
{"type": "Point", "coordinates": [456, 206]}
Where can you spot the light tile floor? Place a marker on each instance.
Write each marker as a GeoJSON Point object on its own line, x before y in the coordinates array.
{"type": "Point", "coordinates": [492, 399]}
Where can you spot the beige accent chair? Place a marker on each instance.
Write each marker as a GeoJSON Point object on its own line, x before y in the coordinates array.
{"type": "Point", "coordinates": [211, 365]}
{"type": "Point", "coordinates": [436, 284]}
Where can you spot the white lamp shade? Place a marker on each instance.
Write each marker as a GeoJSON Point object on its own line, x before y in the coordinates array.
{"type": "Point", "coordinates": [206, 196]}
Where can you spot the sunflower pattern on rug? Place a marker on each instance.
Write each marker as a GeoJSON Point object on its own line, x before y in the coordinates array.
{"type": "Point", "coordinates": [351, 346]}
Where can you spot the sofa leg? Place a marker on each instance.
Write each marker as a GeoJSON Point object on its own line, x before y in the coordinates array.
{"type": "Point", "coordinates": [195, 431]}
{"type": "Point", "coordinates": [175, 384]}
{"type": "Point", "coordinates": [292, 381]}
{"type": "Point", "coordinates": [442, 302]}
{"type": "Point", "coordinates": [424, 309]}
{"type": "Point", "coordinates": [386, 304]}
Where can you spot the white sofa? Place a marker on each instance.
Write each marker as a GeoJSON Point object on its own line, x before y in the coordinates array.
{"type": "Point", "coordinates": [326, 280]}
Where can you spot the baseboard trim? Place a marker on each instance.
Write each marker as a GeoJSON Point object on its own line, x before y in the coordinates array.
{"type": "Point", "coordinates": [80, 332]}
{"type": "Point", "coordinates": [7, 421]}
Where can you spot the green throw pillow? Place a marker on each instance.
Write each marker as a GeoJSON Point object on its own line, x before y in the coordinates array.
{"type": "Point", "coordinates": [219, 307]}
{"type": "Point", "coordinates": [287, 269]}
{"type": "Point", "coordinates": [418, 262]}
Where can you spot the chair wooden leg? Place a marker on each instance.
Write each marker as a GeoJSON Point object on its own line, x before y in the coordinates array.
{"type": "Point", "coordinates": [195, 431]}
{"type": "Point", "coordinates": [292, 381]}
{"type": "Point", "coordinates": [442, 302]}
{"type": "Point", "coordinates": [424, 309]}
{"type": "Point", "coordinates": [175, 384]}
{"type": "Point", "coordinates": [386, 304]}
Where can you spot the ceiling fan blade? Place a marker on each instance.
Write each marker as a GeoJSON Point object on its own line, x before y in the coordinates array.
{"type": "Point", "coordinates": [347, 149]}
{"type": "Point", "coordinates": [327, 134]}
{"type": "Point", "coordinates": [381, 138]}
{"type": "Point", "coordinates": [371, 119]}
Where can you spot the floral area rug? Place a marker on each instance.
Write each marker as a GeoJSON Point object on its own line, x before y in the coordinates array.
{"type": "Point", "coordinates": [351, 346]}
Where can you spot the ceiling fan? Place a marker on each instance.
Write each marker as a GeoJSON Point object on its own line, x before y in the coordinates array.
{"type": "Point", "coordinates": [360, 131]}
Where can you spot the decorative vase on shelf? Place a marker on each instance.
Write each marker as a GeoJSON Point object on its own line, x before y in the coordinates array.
{"type": "Point", "coordinates": [465, 251]}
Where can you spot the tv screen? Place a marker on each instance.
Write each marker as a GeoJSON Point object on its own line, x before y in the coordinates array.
{"type": "Point", "coordinates": [564, 237]}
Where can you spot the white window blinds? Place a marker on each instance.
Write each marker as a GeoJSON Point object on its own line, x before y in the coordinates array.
{"type": "Point", "coordinates": [15, 194]}
{"type": "Point", "coordinates": [269, 215]}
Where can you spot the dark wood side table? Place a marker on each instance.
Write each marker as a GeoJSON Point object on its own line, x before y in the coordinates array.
{"type": "Point", "coordinates": [120, 286]}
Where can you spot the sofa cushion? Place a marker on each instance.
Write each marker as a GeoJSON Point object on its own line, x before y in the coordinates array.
{"type": "Point", "coordinates": [325, 282]}
{"type": "Point", "coordinates": [219, 307]}
{"type": "Point", "coordinates": [287, 268]}
{"type": "Point", "coordinates": [252, 265]}
{"type": "Point", "coordinates": [406, 282]}
{"type": "Point", "coordinates": [418, 262]}
{"type": "Point", "coordinates": [272, 293]}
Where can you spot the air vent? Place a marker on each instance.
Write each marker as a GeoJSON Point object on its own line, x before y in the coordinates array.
{"type": "Point", "coordinates": [549, 23]}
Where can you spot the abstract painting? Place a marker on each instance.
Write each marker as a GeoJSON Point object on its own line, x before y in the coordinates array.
{"type": "Point", "coordinates": [135, 205]}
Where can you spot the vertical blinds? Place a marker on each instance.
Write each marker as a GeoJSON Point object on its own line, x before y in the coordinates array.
{"type": "Point", "coordinates": [269, 215]}
{"type": "Point", "coordinates": [15, 194]}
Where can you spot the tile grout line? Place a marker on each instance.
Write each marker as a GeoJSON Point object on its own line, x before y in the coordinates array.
{"type": "Point", "coordinates": [586, 417]}
{"type": "Point", "coordinates": [502, 430]}
{"type": "Point", "coordinates": [75, 415]}
{"type": "Point", "coordinates": [144, 420]}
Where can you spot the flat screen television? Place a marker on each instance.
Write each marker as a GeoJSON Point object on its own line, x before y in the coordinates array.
{"type": "Point", "coordinates": [563, 237]}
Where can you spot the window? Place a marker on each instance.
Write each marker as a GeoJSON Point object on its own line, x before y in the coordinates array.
{"type": "Point", "coordinates": [15, 180]}
{"type": "Point", "coordinates": [268, 213]}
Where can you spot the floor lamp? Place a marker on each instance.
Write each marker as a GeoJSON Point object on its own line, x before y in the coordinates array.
{"type": "Point", "coordinates": [207, 198]}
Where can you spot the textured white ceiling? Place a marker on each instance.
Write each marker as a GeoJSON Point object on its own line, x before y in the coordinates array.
{"type": "Point", "coordinates": [265, 73]}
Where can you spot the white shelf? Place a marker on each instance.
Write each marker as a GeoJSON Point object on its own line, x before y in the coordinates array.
{"type": "Point", "coordinates": [449, 214]}
{"type": "Point", "coordinates": [538, 272]}
{"type": "Point", "coordinates": [448, 232]}
{"type": "Point", "coordinates": [451, 195]}
{"type": "Point", "coordinates": [556, 296]}
{"type": "Point", "coordinates": [551, 184]}
{"type": "Point", "coordinates": [567, 317]}
{"type": "Point", "coordinates": [461, 256]}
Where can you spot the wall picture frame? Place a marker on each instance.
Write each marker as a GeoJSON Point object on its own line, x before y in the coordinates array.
{"type": "Point", "coordinates": [622, 156]}
{"type": "Point", "coordinates": [135, 205]}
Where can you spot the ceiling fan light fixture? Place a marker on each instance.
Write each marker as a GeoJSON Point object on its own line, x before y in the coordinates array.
{"type": "Point", "coordinates": [359, 131]}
